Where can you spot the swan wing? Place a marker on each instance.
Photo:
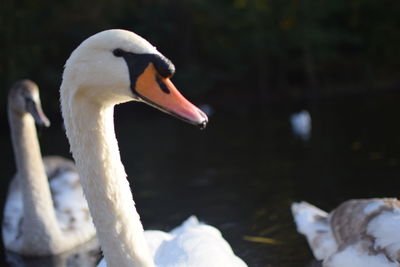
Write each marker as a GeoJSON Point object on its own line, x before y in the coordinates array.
{"type": "Point", "coordinates": [195, 244]}
{"type": "Point", "coordinates": [12, 214]}
{"type": "Point", "coordinates": [355, 256]}
{"type": "Point", "coordinates": [373, 223]}
{"type": "Point", "coordinates": [314, 224]}
{"type": "Point", "coordinates": [70, 203]}
{"type": "Point", "coordinates": [192, 244]}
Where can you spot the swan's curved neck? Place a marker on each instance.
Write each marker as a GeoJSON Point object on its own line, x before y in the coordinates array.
{"type": "Point", "coordinates": [39, 227]}
{"type": "Point", "coordinates": [90, 130]}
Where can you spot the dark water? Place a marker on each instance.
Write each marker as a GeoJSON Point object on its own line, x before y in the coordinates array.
{"type": "Point", "coordinates": [244, 170]}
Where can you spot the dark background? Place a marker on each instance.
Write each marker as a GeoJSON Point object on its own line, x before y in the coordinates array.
{"type": "Point", "coordinates": [225, 51]}
{"type": "Point", "coordinates": [254, 62]}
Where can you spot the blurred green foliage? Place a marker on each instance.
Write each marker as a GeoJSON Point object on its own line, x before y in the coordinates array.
{"type": "Point", "coordinates": [249, 50]}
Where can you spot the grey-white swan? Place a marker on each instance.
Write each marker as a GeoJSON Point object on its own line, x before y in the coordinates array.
{"type": "Point", "coordinates": [109, 68]}
{"type": "Point", "coordinates": [45, 211]}
{"type": "Point", "coordinates": [358, 233]}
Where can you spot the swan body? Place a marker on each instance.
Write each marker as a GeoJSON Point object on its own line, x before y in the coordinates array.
{"type": "Point", "coordinates": [107, 69]}
{"type": "Point", "coordinates": [301, 125]}
{"type": "Point", "coordinates": [358, 233]}
{"type": "Point", "coordinates": [84, 255]}
{"type": "Point", "coordinates": [180, 247]}
{"type": "Point", "coordinates": [45, 211]}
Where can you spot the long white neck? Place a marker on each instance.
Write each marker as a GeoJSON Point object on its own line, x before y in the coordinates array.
{"type": "Point", "coordinates": [90, 130]}
{"type": "Point", "coordinates": [39, 227]}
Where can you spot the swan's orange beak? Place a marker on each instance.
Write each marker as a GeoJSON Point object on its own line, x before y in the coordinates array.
{"type": "Point", "coordinates": [161, 93]}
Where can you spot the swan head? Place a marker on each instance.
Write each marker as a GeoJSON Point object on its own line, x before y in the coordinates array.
{"type": "Point", "coordinates": [116, 66]}
{"type": "Point", "coordinates": [24, 99]}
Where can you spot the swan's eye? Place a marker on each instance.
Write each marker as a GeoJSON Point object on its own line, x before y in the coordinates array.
{"type": "Point", "coordinates": [118, 52]}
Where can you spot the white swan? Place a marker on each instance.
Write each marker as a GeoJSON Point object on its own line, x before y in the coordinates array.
{"type": "Point", "coordinates": [109, 68]}
{"type": "Point", "coordinates": [40, 219]}
{"type": "Point", "coordinates": [358, 233]}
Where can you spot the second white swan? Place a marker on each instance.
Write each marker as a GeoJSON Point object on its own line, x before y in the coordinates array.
{"type": "Point", "coordinates": [45, 212]}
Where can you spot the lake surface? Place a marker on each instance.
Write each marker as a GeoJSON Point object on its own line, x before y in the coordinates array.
{"type": "Point", "coordinates": [242, 173]}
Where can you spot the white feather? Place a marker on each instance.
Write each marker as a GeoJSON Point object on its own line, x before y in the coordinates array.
{"type": "Point", "coordinates": [385, 228]}
{"type": "Point", "coordinates": [318, 233]}
{"type": "Point", "coordinates": [352, 256]}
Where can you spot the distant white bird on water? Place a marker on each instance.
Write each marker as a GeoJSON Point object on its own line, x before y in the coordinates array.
{"type": "Point", "coordinates": [358, 233]}
{"type": "Point", "coordinates": [301, 125]}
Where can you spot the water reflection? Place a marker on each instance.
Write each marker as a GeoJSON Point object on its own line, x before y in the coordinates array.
{"type": "Point", "coordinates": [314, 263]}
{"type": "Point", "coordinates": [86, 255]}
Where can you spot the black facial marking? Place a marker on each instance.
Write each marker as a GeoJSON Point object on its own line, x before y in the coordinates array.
{"type": "Point", "coordinates": [163, 65]}
{"type": "Point", "coordinates": [29, 103]}
{"type": "Point", "coordinates": [137, 63]}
